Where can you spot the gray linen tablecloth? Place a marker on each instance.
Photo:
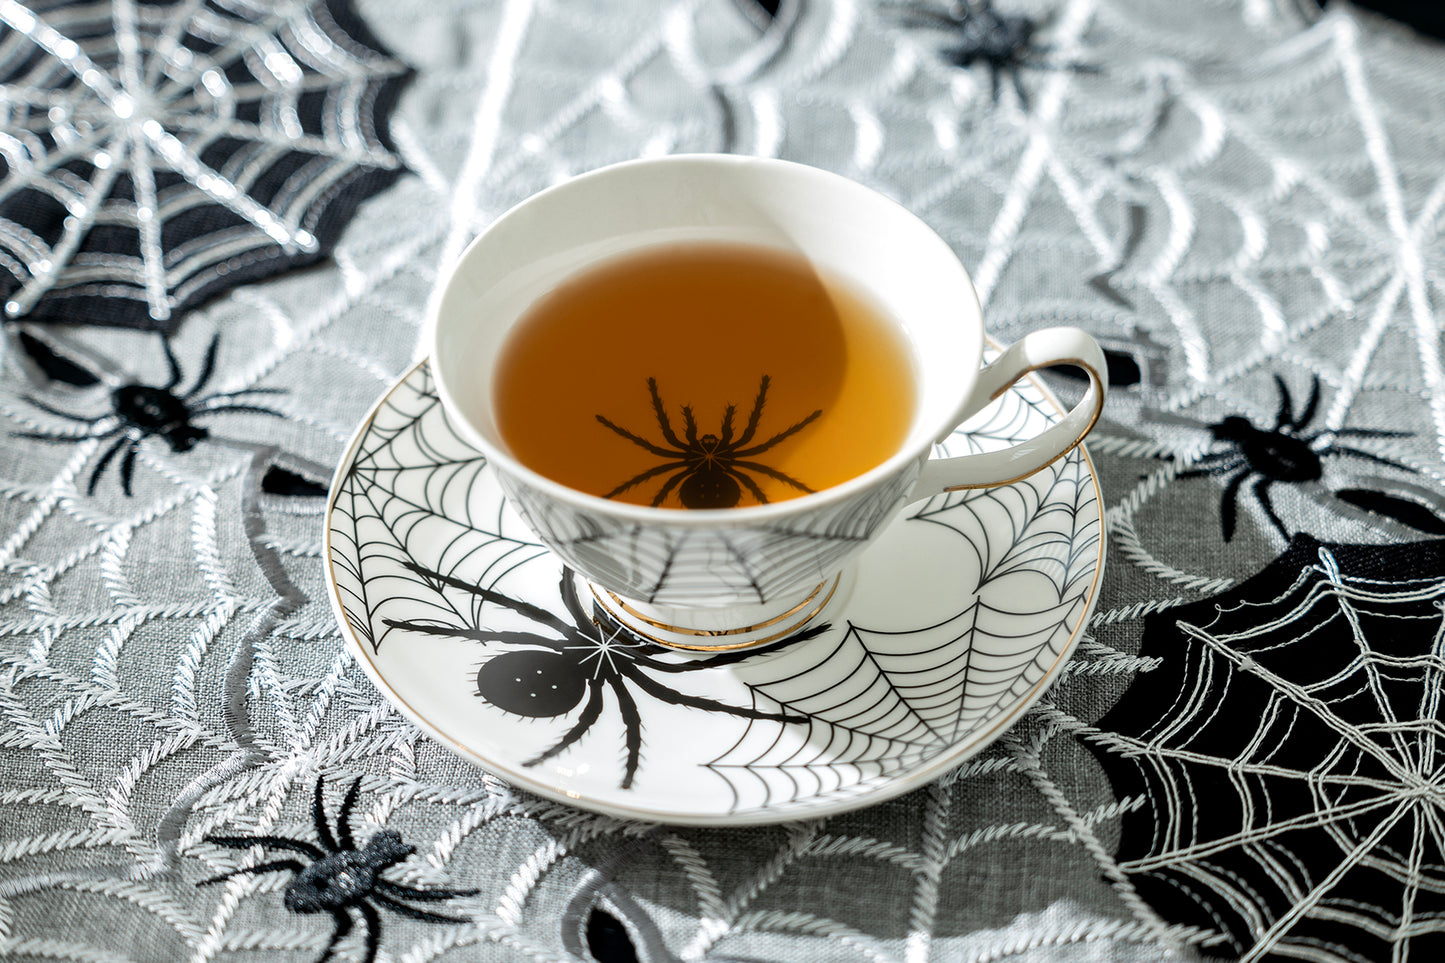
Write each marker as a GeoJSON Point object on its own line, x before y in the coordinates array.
{"type": "Point", "coordinates": [1241, 200]}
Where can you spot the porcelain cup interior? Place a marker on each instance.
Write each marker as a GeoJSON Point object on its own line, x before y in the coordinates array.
{"type": "Point", "coordinates": [736, 576]}
{"type": "Point", "coordinates": [846, 229]}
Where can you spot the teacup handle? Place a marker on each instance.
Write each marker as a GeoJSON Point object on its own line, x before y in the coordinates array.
{"type": "Point", "coordinates": [1039, 349]}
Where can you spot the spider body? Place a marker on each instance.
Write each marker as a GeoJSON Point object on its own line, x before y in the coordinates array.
{"type": "Point", "coordinates": [141, 411]}
{"type": "Point", "coordinates": [341, 877]}
{"type": "Point", "coordinates": [979, 34]}
{"type": "Point", "coordinates": [579, 661]}
{"type": "Point", "coordinates": [1285, 453]}
{"type": "Point", "coordinates": [709, 471]}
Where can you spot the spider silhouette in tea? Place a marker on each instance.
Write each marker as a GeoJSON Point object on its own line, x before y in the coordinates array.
{"type": "Point", "coordinates": [1285, 453]}
{"type": "Point", "coordinates": [341, 877]}
{"type": "Point", "coordinates": [140, 411]}
{"type": "Point", "coordinates": [545, 676]}
{"type": "Point", "coordinates": [980, 34]}
{"type": "Point", "coordinates": [709, 471]}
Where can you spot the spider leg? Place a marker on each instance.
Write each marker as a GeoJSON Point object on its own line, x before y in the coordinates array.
{"type": "Point", "coordinates": [294, 865]}
{"type": "Point", "coordinates": [757, 413]}
{"type": "Point", "coordinates": [474, 635]}
{"type": "Point", "coordinates": [371, 919]}
{"type": "Point", "coordinates": [1284, 418]}
{"type": "Point", "coordinates": [995, 83]}
{"type": "Point", "coordinates": [672, 697]}
{"type": "Point", "coordinates": [773, 473]}
{"type": "Point", "coordinates": [397, 906]}
{"type": "Point", "coordinates": [1311, 404]}
{"type": "Point", "coordinates": [239, 392]}
{"type": "Point", "coordinates": [642, 442]}
{"type": "Point", "coordinates": [1369, 433]}
{"type": "Point", "coordinates": [638, 479]}
{"type": "Point", "coordinates": [727, 427]}
{"type": "Point", "coordinates": [1261, 492]}
{"type": "Point", "coordinates": [271, 842]}
{"type": "Point", "coordinates": [1229, 505]}
{"type": "Point", "coordinates": [208, 367]}
{"type": "Point", "coordinates": [533, 612]}
{"type": "Point", "coordinates": [253, 409]}
{"type": "Point", "coordinates": [402, 891]}
{"type": "Point", "coordinates": [590, 714]}
{"type": "Point", "coordinates": [749, 484]}
{"type": "Point", "coordinates": [1357, 453]}
{"type": "Point", "coordinates": [758, 449]}
{"type": "Point", "coordinates": [127, 468]}
{"type": "Point", "coordinates": [99, 468]}
{"type": "Point", "coordinates": [690, 424]}
{"type": "Point", "coordinates": [632, 730]}
{"type": "Point", "coordinates": [318, 815]}
{"type": "Point", "coordinates": [568, 588]}
{"type": "Point", "coordinates": [1016, 76]}
{"type": "Point", "coordinates": [662, 422]}
{"type": "Point", "coordinates": [668, 486]}
{"type": "Point", "coordinates": [48, 409]}
{"type": "Point", "coordinates": [342, 919]}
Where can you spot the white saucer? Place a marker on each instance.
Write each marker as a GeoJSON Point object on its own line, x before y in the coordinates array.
{"type": "Point", "coordinates": [957, 620]}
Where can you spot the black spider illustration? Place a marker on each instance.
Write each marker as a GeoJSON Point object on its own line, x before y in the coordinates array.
{"type": "Point", "coordinates": [1001, 41]}
{"type": "Point", "coordinates": [139, 411]}
{"type": "Point", "coordinates": [550, 676]}
{"type": "Point", "coordinates": [340, 877]}
{"type": "Point", "coordinates": [708, 469]}
{"type": "Point", "coordinates": [1285, 453]}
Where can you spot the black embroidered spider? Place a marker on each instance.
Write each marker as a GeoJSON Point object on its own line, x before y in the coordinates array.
{"type": "Point", "coordinates": [139, 411]}
{"type": "Point", "coordinates": [1285, 453]}
{"type": "Point", "coordinates": [550, 676]}
{"type": "Point", "coordinates": [340, 877]}
{"type": "Point", "coordinates": [1003, 42]}
{"type": "Point", "coordinates": [709, 468]}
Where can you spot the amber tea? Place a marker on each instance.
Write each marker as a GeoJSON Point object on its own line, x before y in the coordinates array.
{"type": "Point", "coordinates": [703, 375]}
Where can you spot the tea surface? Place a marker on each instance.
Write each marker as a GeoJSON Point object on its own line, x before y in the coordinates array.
{"type": "Point", "coordinates": [703, 375]}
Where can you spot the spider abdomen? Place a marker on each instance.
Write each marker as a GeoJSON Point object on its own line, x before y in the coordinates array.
{"type": "Point", "coordinates": [1281, 457]}
{"type": "Point", "coordinates": [157, 411]}
{"type": "Point", "coordinates": [532, 683]}
{"type": "Point", "coordinates": [710, 487]}
{"type": "Point", "coordinates": [338, 880]}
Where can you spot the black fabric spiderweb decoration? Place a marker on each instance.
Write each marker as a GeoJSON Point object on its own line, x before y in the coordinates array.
{"type": "Point", "coordinates": [1304, 706]}
{"type": "Point", "coordinates": [156, 153]}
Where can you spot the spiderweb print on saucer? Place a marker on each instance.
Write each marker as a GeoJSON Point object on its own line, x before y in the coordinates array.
{"type": "Point", "coordinates": [1304, 706]}
{"type": "Point", "coordinates": [957, 619]}
{"type": "Point", "coordinates": [161, 152]}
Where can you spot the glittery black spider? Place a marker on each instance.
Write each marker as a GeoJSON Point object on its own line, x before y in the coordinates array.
{"type": "Point", "coordinates": [707, 469]}
{"type": "Point", "coordinates": [979, 34]}
{"type": "Point", "coordinates": [139, 411]}
{"type": "Point", "coordinates": [1285, 453]}
{"type": "Point", "coordinates": [547, 676]}
{"type": "Point", "coordinates": [340, 878]}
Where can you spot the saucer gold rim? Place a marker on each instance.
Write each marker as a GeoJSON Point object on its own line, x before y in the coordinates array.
{"type": "Point", "coordinates": [876, 790]}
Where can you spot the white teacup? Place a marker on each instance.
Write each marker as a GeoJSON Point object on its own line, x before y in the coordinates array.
{"type": "Point", "coordinates": [734, 577]}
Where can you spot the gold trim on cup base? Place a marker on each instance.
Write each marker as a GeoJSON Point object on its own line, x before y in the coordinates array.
{"type": "Point", "coordinates": [719, 639]}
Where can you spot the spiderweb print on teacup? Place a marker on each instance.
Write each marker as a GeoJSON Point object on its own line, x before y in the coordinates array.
{"type": "Point", "coordinates": [887, 696]}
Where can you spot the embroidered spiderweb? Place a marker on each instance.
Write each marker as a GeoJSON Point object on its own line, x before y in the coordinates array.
{"type": "Point", "coordinates": [156, 153]}
{"type": "Point", "coordinates": [1288, 750]}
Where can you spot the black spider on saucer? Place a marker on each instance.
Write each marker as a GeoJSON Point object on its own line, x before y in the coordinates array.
{"type": "Point", "coordinates": [140, 411]}
{"type": "Point", "coordinates": [980, 34]}
{"type": "Point", "coordinates": [340, 876]}
{"type": "Point", "coordinates": [547, 676]}
{"type": "Point", "coordinates": [710, 471]}
{"type": "Point", "coordinates": [1285, 453]}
